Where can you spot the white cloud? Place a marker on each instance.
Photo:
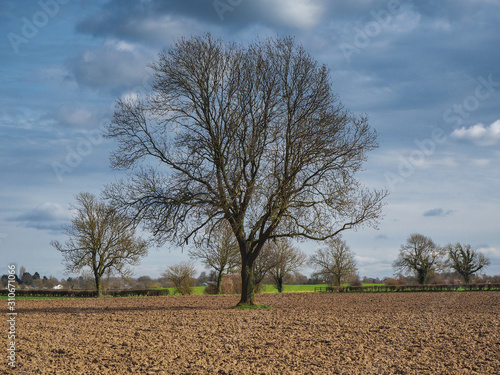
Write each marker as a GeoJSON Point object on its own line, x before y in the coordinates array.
{"type": "Point", "coordinates": [480, 163]}
{"type": "Point", "coordinates": [490, 252]}
{"type": "Point", "coordinates": [48, 216]}
{"type": "Point", "coordinates": [73, 116]}
{"type": "Point", "coordinates": [114, 65]}
{"type": "Point", "coordinates": [366, 260]}
{"type": "Point", "coordinates": [295, 13]}
{"type": "Point", "coordinates": [480, 134]}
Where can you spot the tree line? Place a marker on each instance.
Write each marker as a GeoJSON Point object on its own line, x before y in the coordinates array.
{"type": "Point", "coordinates": [96, 222]}
{"type": "Point", "coordinates": [423, 258]}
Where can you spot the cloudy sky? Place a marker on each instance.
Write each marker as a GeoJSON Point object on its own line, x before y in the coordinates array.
{"type": "Point", "coordinates": [426, 73]}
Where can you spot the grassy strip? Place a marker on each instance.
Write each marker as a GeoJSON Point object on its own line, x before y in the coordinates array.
{"type": "Point", "coordinates": [199, 290]}
{"type": "Point", "coordinates": [248, 307]}
{"type": "Point", "coordinates": [40, 297]}
{"type": "Point", "coordinates": [301, 288]}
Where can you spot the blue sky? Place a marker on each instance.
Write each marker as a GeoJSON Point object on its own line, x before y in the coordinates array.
{"type": "Point", "coordinates": [426, 73]}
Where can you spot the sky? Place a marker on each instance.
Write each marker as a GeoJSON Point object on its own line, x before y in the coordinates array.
{"type": "Point", "coordinates": [426, 74]}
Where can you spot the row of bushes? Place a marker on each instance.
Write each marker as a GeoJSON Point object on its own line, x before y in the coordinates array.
{"type": "Point", "coordinates": [85, 293]}
{"type": "Point", "coordinates": [408, 288]}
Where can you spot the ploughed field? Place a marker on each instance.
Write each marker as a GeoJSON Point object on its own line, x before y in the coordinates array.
{"type": "Point", "coordinates": [305, 333]}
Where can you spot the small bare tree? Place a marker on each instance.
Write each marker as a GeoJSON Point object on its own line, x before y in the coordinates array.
{"type": "Point", "coordinates": [420, 256]}
{"type": "Point", "coordinates": [218, 251]}
{"type": "Point", "coordinates": [101, 239]}
{"type": "Point", "coordinates": [262, 266]}
{"type": "Point", "coordinates": [335, 262]}
{"type": "Point", "coordinates": [465, 260]}
{"type": "Point", "coordinates": [182, 276]}
{"type": "Point", "coordinates": [252, 136]}
{"type": "Point", "coordinates": [286, 259]}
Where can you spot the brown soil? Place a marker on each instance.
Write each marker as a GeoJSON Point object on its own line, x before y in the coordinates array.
{"type": "Point", "coordinates": [305, 333]}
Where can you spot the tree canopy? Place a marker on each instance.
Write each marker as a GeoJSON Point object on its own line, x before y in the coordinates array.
{"type": "Point", "coordinates": [101, 239]}
{"type": "Point", "coordinates": [251, 135]}
{"type": "Point", "coordinates": [335, 261]}
{"type": "Point", "coordinates": [421, 256]}
{"type": "Point", "coordinates": [465, 260]}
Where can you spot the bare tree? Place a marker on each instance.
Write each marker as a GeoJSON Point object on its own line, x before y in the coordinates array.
{"type": "Point", "coordinates": [219, 251]}
{"type": "Point", "coordinates": [249, 135]}
{"type": "Point", "coordinates": [286, 259]}
{"type": "Point", "coordinates": [22, 270]}
{"type": "Point", "coordinates": [182, 276]}
{"type": "Point", "coordinates": [100, 238]}
{"type": "Point", "coordinates": [262, 266]}
{"type": "Point", "coordinates": [421, 256]}
{"type": "Point", "coordinates": [465, 260]}
{"type": "Point", "coordinates": [335, 262]}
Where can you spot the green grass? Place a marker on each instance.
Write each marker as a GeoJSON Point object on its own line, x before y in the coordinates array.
{"type": "Point", "coordinates": [196, 290]}
{"type": "Point", "coordinates": [299, 288]}
{"type": "Point", "coordinates": [38, 297]}
{"type": "Point", "coordinates": [248, 307]}
{"type": "Point", "coordinates": [199, 290]}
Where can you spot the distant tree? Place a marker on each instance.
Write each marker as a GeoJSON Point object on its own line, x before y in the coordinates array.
{"type": "Point", "coordinates": [203, 278]}
{"type": "Point", "coordinates": [118, 283]}
{"type": "Point", "coordinates": [182, 276]}
{"type": "Point", "coordinates": [22, 270]}
{"type": "Point", "coordinates": [251, 135]}
{"type": "Point", "coordinates": [27, 279]}
{"type": "Point", "coordinates": [300, 279]}
{"type": "Point", "coordinates": [36, 276]}
{"type": "Point", "coordinates": [218, 251]}
{"type": "Point", "coordinates": [354, 280]}
{"type": "Point", "coordinates": [465, 260]}
{"type": "Point", "coordinates": [70, 283]}
{"type": "Point", "coordinates": [5, 280]}
{"type": "Point", "coordinates": [85, 280]}
{"type": "Point", "coordinates": [262, 266]}
{"type": "Point", "coordinates": [286, 260]}
{"type": "Point", "coordinates": [100, 238]}
{"type": "Point", "coordinates": [145, 282]}
{"type": "Point", "coordinates": [420, 256]}
{"type": "Point", "coordinates": [50, 282]}
{"type": "Point", "coordinates": [335, 262]}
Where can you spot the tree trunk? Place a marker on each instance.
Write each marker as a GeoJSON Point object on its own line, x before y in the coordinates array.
{"type": "Point", "coordinates": [280, 284]}
{"type": "Point", "coordinates": [219, 282]}
{"type": "Point", "coordinates": [247, 283]}
{"type": "Point", "coordinates": [98, 285]}
{"type": "Point", "coordinates": [421, 278]}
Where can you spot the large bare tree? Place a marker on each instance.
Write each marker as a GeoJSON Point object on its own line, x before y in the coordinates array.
{"type": "Point", "coordinates": [251, 135]}
{"type": "Point", "coordinates": [420, 256]}
{"type": "Point", "coordinates": [101, 239]}
{"type": "Point", "coordinates": [335, 261]}
{"type": "Point", "coordinates": [465, 260]}
{"type": "Point", "coordinates": [218, 251]}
